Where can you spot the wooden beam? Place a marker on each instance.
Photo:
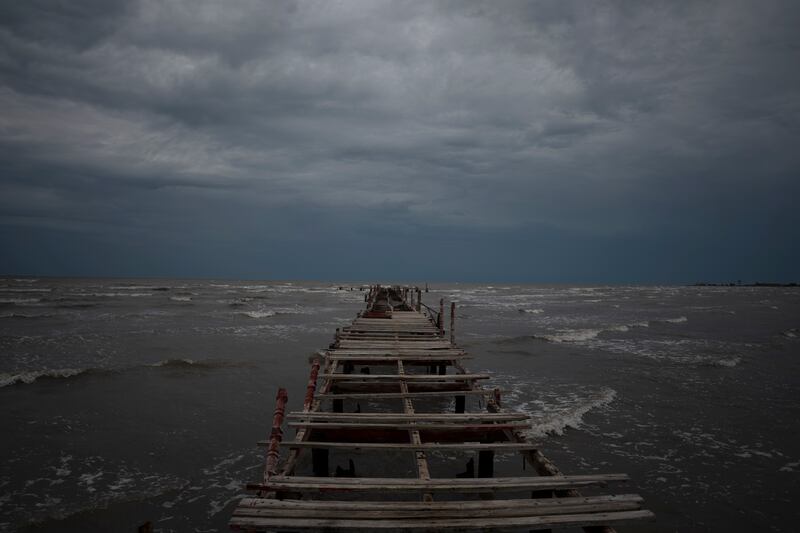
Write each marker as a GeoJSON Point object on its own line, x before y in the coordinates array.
{"type": "Point", "coordinates": [435, 510]}
{"type": "Point", "coordinates": [392, 395]}
{"type": "Point", "coordinates": [461, 505]}
{"type": "Point", "coordinates": [314, 484]}
{"type": "Point", "coordinates": [536, 522]}
{"type": "Point", "coordinates": [404, 377]}
{"type": "Point", "coordinates": [391, 446]}
{"type": "Point", "coordinates": [404, 417]}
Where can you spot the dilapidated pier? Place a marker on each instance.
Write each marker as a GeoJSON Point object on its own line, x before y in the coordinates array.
{"type": "Point", "coordinates": [412, 438]}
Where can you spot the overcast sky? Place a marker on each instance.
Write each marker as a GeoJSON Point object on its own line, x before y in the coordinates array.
{"type": "Point", "coordinates": [542, 141]}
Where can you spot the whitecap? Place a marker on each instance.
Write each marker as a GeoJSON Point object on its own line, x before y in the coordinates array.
{"type": "Point", "coordinates": [571, 417]}
{"type": "Point", "coordinates": [181, 298]}
{"type": "Point", "coordinates": [31, 376]}
{"type": "Point", "coordinates": [258, 314]}
{"type": "Point", "coordinates": [532, 311]}
{"type": "Point", "coordinates": [581, 335]}
{"type": "Point", "coordinates": [677, 320]}
{"type": "Point", "coordinates": [19, 300]}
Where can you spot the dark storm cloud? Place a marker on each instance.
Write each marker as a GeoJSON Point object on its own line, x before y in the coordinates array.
{"type": "Point", "coordinates": [656, 138]}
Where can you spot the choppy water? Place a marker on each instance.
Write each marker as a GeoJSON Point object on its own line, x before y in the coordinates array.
{"type": "Point", "coordinates": [128, 400]}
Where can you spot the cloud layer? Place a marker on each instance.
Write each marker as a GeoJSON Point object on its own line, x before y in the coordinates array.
{"type": "Point", "coordinates": [537, 141]}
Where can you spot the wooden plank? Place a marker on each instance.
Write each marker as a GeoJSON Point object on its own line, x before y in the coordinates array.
{"type": "Point", "coordinates": [404, 377]}
{"type": "Point", "coordinates": [392, 446]}
{"type": "Point", "coordinates": [465, 505]}
{"type": "Point", "coordinates": [535, 522]}
{"type": "Point", "coordinates": [391, 386]}
{"type": "Point", "coordinates": [392, 395]}
{"type": "Point", "coordinates": [377, 359]}
{"type": "Point", "coordinates": [382, 351]}
{"type": "Point", "coordinates": [470, 485]}
{"type": "Point", "coordinates": [427, 511]}
{"type": "Point", "coordinates": [403, 417]}
{"type": "Point", "coordinates": [419, 427]}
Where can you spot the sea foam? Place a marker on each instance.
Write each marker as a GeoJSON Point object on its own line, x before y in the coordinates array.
{"type": "Point", "coordinates": [31, 376]}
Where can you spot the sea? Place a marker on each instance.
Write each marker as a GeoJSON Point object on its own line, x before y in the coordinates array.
{"type": "Point", "coordinates": [124, 401]}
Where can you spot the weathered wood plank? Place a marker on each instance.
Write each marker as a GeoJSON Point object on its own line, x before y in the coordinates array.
{"type": "Point", "coordinates": [336, 352]}
{"type": "Point", "coordinates": [510, 508]}
{"type": "Point", "coordinates": [471, 485]}
{"type": "Point", "coordinates": [392, 446]}
{"type": "Point", "coordinates": [459, 426]}
{"type": "Point", "coordinates": [404, 377]}
{"type": "Point", "coordinates": [402, 417]}
{"type": "Point", "coordinates": [393, 395]}
{"type": "Point", "coordinates": [436, 505]}
{"type": "Point", "coordinates": [379, 359]}
{"type": "Point", "coordinates": [536, 522]}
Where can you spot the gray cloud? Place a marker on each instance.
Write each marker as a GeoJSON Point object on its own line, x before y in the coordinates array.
{"type": "Point", "coordinates": [579, 128]}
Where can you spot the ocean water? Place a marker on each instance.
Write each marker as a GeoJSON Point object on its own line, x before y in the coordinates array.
{"type": "Point", "coordinates": [123, 401]}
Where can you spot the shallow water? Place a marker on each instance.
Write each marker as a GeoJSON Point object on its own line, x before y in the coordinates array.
{"type": "Point", "coordinates": [132, 400]}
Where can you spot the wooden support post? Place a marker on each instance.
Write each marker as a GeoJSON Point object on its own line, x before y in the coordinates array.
{"type": "Point", "coordinates": [486, 463]}
{"type": "Point", "coordinates": [276, 435]}
{"type": "Point", "coordinates": [312, 385]}
{"type": "Point", "coordinates": [452, 322]}
{"type": "Point", "coordinates": [338, 406]}
{"type": "Point", "coordinates": [319, 462]}
{"type": "Point", "coordinates": [419, 300]}
{"type": "Point", "coordinates": [497, 397]}
{"type": "Point", "coordinates": [442, 370]}
{"type": "Point", "coordinates": [441, 316]}
{"type": "Point", "coordinates": [460, 403]}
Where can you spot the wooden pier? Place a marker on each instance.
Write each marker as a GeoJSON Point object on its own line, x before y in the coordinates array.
{"type": "Point", "coordinates": [394, 408]}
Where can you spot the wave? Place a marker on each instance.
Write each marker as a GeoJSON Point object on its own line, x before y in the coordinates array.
{"type": "Point", "coordinates": [571, 417]}
{"type": "Point", "coordinates": [28, 377]}
{"type": "Point", "coordinates": [191, 363]}
{"type": "Point", "coordinates": [258, 314]}
{"type": "Point", "coordinates": [24, 289]}
{"type": "Point", "coordinates": [587, 334]}
{"type": "Point", "coordinates": [24, 316]}
{"type": "Point", "coordinates": [138, 288]}
{"type": "Point", "coordinates": [677, 320]}
{"type": "Point", "coordinates": [181, 298]}
{"type": "Point", "coordinates": [19, 300]}
{"type": "Point", "coordinates": [791, 333]}
{"type": "Point", "coordinates": [581, 335]}
{"type": "Point", "coordinates": [115, 294]}
{"type": "Point", "coordinates": [730, 363]}
{"type": "Point", "coordinates": [531, 311]}
{"type": "Point", "coordinates": [31, 376]}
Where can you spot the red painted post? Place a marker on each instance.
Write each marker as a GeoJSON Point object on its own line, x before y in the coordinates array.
{"type": "Point", "coordinates": [276, 435]}
{"type": "Point", "coordinates": [312, 385]}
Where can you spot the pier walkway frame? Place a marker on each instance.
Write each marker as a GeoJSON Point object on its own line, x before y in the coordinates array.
{"type": "Point", "coordinates": [395, 397]}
